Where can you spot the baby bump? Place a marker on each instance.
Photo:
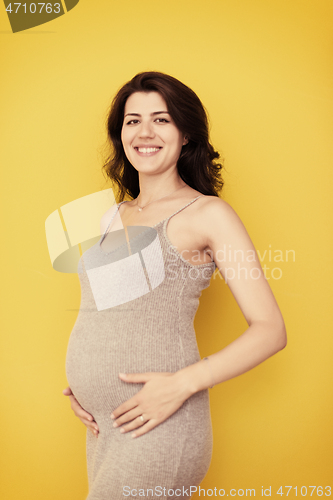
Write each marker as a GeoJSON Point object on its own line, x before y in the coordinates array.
{"type": "Point", "coordinates": [96, 356]}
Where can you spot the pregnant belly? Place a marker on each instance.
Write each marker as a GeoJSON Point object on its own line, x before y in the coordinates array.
{"type": "Point", "coordinates": [95, 356]}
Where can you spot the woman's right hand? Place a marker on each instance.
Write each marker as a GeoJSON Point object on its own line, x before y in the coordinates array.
{"type": "Point", "coordinates": [84, 416]}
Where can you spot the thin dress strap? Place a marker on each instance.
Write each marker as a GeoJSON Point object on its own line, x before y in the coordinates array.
{"type": "Point", "coordinates": [164, 220]}
{"type": "Point", "coordinates": [106, 230]}
{"type": "Point", "coordinates": [189, 203]}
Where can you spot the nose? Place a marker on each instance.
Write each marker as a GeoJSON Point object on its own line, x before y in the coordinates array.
{"type": "Point", "coordinates": [146, 129]}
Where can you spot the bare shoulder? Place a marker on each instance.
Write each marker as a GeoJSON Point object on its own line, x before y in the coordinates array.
{"type": "Point", "coordinates": [217, 218]}
{"type": "Point", "coordinates": [215, 210]}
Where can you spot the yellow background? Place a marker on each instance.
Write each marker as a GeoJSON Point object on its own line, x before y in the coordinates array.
{"type": "Point", "coordinates": [263, 69]}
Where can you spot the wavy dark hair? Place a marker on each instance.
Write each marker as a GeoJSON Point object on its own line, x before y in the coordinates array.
{"type": "Point", "coordinates": [196, 165]}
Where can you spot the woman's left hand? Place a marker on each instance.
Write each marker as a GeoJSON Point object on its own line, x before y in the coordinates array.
{"type": "Point", "coordinates": [159, 398]}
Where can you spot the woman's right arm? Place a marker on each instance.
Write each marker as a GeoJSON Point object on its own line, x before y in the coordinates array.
{"type": "Point", "coordinates": [84, 416]}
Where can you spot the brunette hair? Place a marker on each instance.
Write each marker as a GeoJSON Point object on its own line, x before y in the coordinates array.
{"type": "Point", "coordinates": [196, 164]}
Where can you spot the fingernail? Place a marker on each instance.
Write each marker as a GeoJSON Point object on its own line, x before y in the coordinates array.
{"type": "Point", "coordinates": [112, 415]}
{"type": "Point", "coordinates": [115, 424]}
{"type": "Point", "coordinates": [133, 435]}
{"type": "Point", "coordinates": [122, 430]}
{"type": "Point", "coordinates": [122, 374]}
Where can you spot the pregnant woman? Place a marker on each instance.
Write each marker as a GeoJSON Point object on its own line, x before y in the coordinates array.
{"type": "Point", "coordinates": [135, 375]}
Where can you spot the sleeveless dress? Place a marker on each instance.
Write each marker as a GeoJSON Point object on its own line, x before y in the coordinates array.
{"type": "Point", "coordinates": [138, 303]}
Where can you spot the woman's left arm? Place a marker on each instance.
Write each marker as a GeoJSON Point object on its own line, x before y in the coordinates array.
{"type": "Point", "coordinates": [163, 393]}
{"type": "Point", "coordinates": [238, 263]}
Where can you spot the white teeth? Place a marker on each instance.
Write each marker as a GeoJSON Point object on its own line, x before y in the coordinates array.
{"type": "Point", "coordinates": [148, 150]}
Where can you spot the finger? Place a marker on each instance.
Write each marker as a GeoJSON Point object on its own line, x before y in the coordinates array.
{"type": "Point", "coordinates": [145, 428]}
{"type": "Point", "coordinates": [126, 417]}
{"type": "Point", "coordinates": [79, 411]}
{"type": "Point", "coordinates": [83, 415]}
{"type": "Point", "coordinates": [94, 431]}
{"type": "Point", "coordinates": [137, 422]}
{"type": "Point", "coordinates": [67, 391]}
{"type": "Point", "coordinates": [92, 426]}
{"type": "Point", "coordinates": [136, 377]}
{"type": "Point", "coordinates": [128, 405]}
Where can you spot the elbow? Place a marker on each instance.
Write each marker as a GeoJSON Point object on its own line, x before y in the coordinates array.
{"type": "Point", "coordinates": [277, 333]}
{"type": "Point", "coordinates": [281, 336]}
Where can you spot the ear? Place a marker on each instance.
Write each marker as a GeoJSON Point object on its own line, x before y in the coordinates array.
{"type": "Point", "coordinates": [185, 141]}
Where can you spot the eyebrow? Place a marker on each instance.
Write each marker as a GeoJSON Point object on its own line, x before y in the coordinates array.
{"type": "Point", "coordinates": [152, 114]}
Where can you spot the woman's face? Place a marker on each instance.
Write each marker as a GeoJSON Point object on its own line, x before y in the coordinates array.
{"type": "Point", "coordinates": [150, 138]}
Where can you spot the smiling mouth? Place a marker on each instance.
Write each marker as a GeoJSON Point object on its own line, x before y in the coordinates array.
{"type": "Point", "coordinates": [147, 150]}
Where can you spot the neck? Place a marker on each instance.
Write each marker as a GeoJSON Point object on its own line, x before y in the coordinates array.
{"type": "Point", "coordinates": [151, 189]}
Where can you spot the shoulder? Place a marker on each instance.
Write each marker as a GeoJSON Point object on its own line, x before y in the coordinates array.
{"type": "Point", "coordinates": [216, 210]}
{"type": "Point", "coordinates": [217, 218]}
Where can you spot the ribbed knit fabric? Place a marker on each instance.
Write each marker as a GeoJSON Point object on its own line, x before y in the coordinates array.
{"type": "Point", "coordinates": [151, 333]}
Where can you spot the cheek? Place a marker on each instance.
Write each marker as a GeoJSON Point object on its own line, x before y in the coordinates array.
{"type": "Point", "coordinates": [178, 139]}
{"type": "Point", "coordinates": [125, 139]}
{"type": "Point", "coordinates": [123, 135]}
{"type": "Point", "coordinates": [178, 143]}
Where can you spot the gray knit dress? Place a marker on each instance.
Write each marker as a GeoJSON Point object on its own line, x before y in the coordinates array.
{"type": "Point", "coordinates": [139, 297]}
